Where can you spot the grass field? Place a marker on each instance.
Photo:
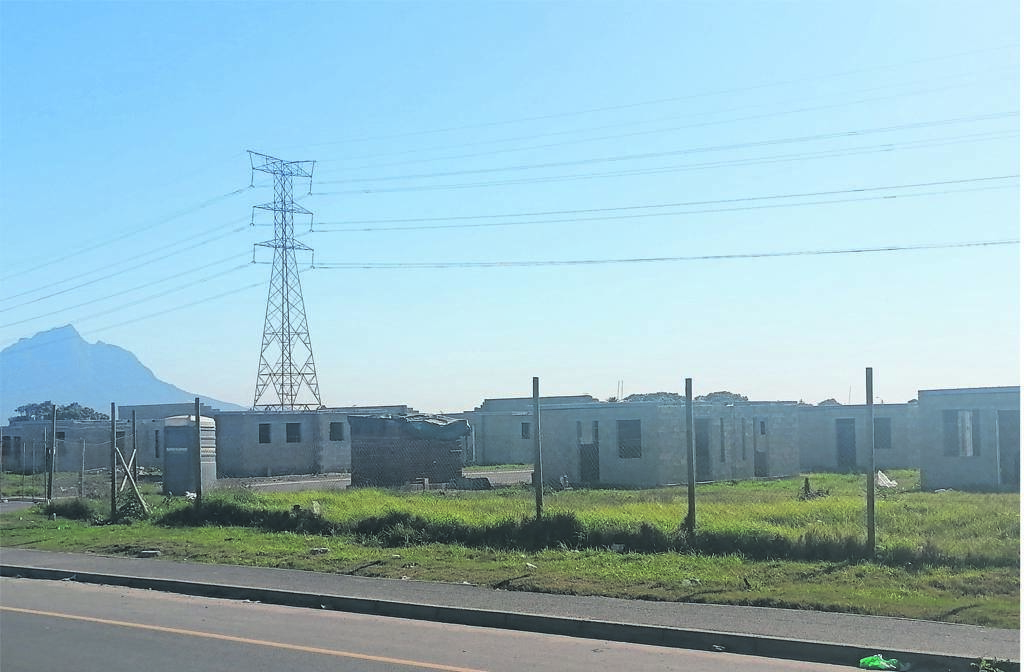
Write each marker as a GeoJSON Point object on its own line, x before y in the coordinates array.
{"type": "Point", "coordinates": [945, 556]}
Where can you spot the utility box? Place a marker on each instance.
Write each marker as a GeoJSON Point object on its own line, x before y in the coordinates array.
{"type": "Point", "coordinates": [179, 437]}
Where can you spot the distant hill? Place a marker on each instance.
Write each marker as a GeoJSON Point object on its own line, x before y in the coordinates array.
{"type": "Point", "coordinates": [59, 365]}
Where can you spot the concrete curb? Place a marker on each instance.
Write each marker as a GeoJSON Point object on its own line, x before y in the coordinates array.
{"type": "Point", "coordinates": [701, 640]}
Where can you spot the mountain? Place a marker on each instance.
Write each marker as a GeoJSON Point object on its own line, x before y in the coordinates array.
{"type": "Point", "coordinates": [60, 366]}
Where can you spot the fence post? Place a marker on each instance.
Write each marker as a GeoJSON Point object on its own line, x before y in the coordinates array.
{"type": "Point", "coordinates": [53, 455]}
{"type": "Point", "coordinates": [135, 453]}
{"type": "Point", "coordinates": [538, 465]}
{"type": "Point", "coordinates": [113, 462]}
{"type": "Point", "coordinates": [869, 384]}
{"type": "Point", "coordinates": [81, 474]}
{"type": "Point", "coordinates": [199, 457]}
{"type": "Point", "coordinates": [691, 474]}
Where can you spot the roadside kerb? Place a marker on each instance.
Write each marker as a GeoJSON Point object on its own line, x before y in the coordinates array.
{"type": "Point", "coordinates": [688, 638]}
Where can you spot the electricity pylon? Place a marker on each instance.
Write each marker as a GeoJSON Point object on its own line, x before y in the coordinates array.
{"type": "Point", "coordinates": [286, 358]}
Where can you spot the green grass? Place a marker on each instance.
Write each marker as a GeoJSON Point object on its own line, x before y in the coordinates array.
{"type": "Point", "coordinates": [758, 520]}
{"type": "Point", "coordinates": [944, 556]}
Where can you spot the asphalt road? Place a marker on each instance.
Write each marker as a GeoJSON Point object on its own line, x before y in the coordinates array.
{"type": "Point", "coordinates": [14, 505]}
{"type": "Point", "coordinates": [50, 625]}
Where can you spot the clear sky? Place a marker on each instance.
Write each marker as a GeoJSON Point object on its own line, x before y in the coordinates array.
{"type": "Point", "coordinates": [124, 185]}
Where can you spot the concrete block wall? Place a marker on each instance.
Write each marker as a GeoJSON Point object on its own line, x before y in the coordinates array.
{"type": "Point", "coordinates": [335, 456]}
{"type": "Point", "coordinates": [661, 460]}
{"type": "Point", "coordinates": [498, 438]}
{"type": "Point", "coordinates": [240, 453]}
{"type": "Point", "coordinates": [818, 442]}
{"type": "Point", "coordinates": [982, 470]}
{"type": "Point", "coordinates": [731, 447]}
{"type": "Point", "coordinates": [736, 438]}
{"type": "Point", "coordinates": [497, 427]}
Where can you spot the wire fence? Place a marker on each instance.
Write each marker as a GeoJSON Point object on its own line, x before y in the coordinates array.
{"type": "Point", "coordinates": [81, 470]}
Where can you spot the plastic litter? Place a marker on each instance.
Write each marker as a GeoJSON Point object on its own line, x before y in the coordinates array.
{"type": "Point", "coordinates": [883, 481]}
{"type": "Point", "coordinates": [877, 662]}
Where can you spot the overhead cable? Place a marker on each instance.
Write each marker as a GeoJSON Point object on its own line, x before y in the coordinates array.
{"type": "Point", "coordinates": [131, 303]}
{"type": "Point", "coordinates": [702, 124]}
{"type": "Point", "coordinates": [570, 131]}
{"type": "Point", "coordinates": [120, 270]}
{"type": "Point", "coordinates": [356, 265]}
{"type": "Point", "coordinates": [690, 150]}
{"type": "Point", "coordinates": [684, 167]}
{"type": "Point", "coordinates": [132, 232]}
{"type": "Point", "coordinates": [627, 208]}
{"type": "Point", "coordinates": [671, 99]}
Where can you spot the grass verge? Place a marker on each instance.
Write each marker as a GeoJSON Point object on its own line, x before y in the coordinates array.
{"type": "Point", "coordinates": [960, 561]}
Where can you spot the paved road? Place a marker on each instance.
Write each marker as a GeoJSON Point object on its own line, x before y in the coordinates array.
{"type": "Point", "coordinates": [64, 625]}
{"type": "Point", "coordinates": [8, 506]}
{"type": "Point", "coordinates": [822, 632]}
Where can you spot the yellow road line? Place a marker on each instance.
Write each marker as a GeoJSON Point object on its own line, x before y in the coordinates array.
{"type": "Point", "coordinates": [245, 640]}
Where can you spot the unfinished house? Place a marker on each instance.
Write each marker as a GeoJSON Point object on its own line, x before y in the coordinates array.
{"type": "Point", "coordinates": [836, 438]}
{"type": "Point", "coordinates": [746, 439]}
{"type": "Point", "coordinates": [276, 443]}
{"type": "Point", "coordinates": [502, 429]}
{"type": "Point", "coordinates": [25, 443]}
{"type": "Point", "coordinates": [641, 443]}
{"type": "Point", "coordinates": [970, 438]}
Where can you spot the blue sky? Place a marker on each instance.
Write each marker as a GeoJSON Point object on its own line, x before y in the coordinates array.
{"type": "Point", "coordinates": [123, 130]}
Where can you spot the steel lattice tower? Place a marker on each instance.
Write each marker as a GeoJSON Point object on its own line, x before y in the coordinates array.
{"type": "Point", "coordinates": [286, 358]}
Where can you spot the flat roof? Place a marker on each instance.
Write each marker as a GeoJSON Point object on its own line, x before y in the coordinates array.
{"type": "Point", "coordinates": [973, 390]}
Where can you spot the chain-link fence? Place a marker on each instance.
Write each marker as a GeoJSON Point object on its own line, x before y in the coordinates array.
{"type": "Point", "coordinates": [81, 470]}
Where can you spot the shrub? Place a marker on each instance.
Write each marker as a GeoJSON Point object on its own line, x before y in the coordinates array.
{"type": "Point", "coordinates": [72, 509]}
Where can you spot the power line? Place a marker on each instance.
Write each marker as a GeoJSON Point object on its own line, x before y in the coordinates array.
{"type": "Point", "coordinates": [162, 250]}
{"type": "Point", "coordinates": [133, 232]}
{"type": "Point", "coordinates": [658, 101]}
{"type": "Point", "coordinates": [678, 152]}
{"type": "Point", "coordinates": [703, 124]}
{"type": "Point", "coordinates": [185, 305]}
{"type": "Point", "coordinates": [570, 131]}
{"type": "Point", "coordinates": [627, 208]}
{"type": "Point", "coordinates": [120, 271]}
{"type": "Point", "coordinates": [582, 220]}
{"type": "Point", "coordinates": [146, 298]}
{"type": "Point", "coordinates": [162, 311]}
{"type": "Point", "coordinates": [751, 161]}
{"type": "Point", "coordinates": [649, 260]}
{"type": "Point", "coordinates": [691, 150]}
{"type": "Point", "coordinates": [160, 294]}
{"type": "Point", "coordinates": [132, 289]}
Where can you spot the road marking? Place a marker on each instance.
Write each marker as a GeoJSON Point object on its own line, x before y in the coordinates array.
{"type": "Point", "coordinates": [246, 640]}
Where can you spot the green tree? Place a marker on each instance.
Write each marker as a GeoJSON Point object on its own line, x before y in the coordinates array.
{"type": "Point", "coordinates": [44, 411]}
